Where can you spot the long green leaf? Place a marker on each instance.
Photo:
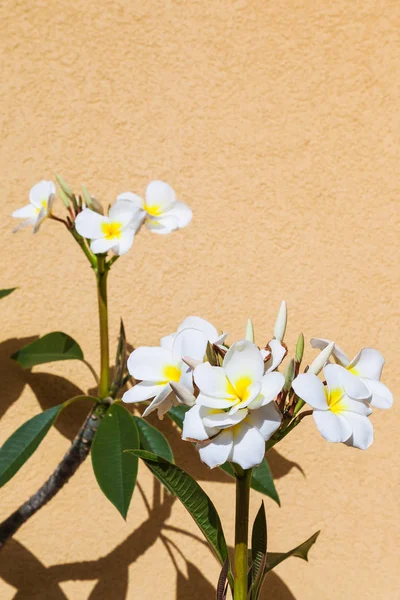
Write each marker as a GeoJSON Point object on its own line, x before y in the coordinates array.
{"type": "Point", "coordinates": [258, 549]}
{"type": "Point", "coordinates": [274, 558]}
{"type": "Point", "coordinates": [49, 348]}
{"type": "Point", "coordinates": [194, 499]}
{"type": "Point", "coordinates": [23, 442]}
{"type": "Point", "coordinates": [261, 479]}
{"type": "Point", "coordinates": [7, 292]}
{"type": "Point", "coordinates": [152, 440]}
{"type": "Point", "coordinates": [115, 469]}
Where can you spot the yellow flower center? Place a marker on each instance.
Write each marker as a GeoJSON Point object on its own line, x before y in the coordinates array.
{"type": "Point", "coordinates": [43, 203]}
{"type": "Point", "coordinates": [111, 230]}
{"type": "Point", "coordinates": [172, 373]}
{"type": "Point", "coordinates": [153, 211]}
{"type": "Point", "coordinates": [241, 388]}
{"type": "Point", "coordinates": [336, 401]}
{"type": "Point", "coordinates": [354, 371]}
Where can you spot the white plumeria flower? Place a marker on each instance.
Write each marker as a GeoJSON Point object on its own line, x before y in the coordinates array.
{"type": "Point", "coordinates": [209, 331]}
{"type": "Point", "coordinates": [160, 210]}
{"type": "Point", "coordinates": [235, 412]}
{"type": "Point", "coordinates": [366, 368]}
{"type": "Point", "coordinates": [41, 198]}
{"type": "Point", "coordinates": [156, 367]}
{"type": "Point", "coordinates": [338, 417]}
{"type": "Point", "coordinates": [115, 232]}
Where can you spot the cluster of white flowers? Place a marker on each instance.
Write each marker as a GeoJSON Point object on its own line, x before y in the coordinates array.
{"type": "Point", "coordinates": [233, 406]}
{"type": "Point", "coordinates": [160, 211]}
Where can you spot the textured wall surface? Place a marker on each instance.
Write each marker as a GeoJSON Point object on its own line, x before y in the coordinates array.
{"type": "Point", "coordinates": [278, 123]}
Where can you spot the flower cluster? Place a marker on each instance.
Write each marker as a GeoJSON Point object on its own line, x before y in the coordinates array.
{"type": "Point", "coordinates": [239, 400]}
{"type": "Point", "coordinates": [160, 211]}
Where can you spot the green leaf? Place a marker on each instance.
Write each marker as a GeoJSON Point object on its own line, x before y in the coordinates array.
{"type": "Point", "coordinates": [274, 558]}
{"type": "Point", "coordinates": [49, 348]}
{"type": "Point", "coordinates": [116, 470]}
{"type": "Point", "coordinates": [177, 414]}
{"type": "Point", "coordinates": [152, 440]}
{"type": "Point", "coordinates": [23, 442]}
{"type": "Point", "coordinates": [7, 292]}
{"type": "Point", "coordinates": [258, 549]}
{"type": "Point", "coordinates": [261, 480]}
{"type": "Point", "coordinates": [194, 499]}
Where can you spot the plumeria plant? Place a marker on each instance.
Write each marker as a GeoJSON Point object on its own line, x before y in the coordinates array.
{"type": "Point", "coordinates": [232, 401]}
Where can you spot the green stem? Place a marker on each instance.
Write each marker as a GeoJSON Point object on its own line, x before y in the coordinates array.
{"type": "Point", "coordinates": [102, 272]}
{"type": "Point", "coordinates": [241, 535]}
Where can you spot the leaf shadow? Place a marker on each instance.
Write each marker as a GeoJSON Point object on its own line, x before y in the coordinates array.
{"type": "Point", "coordinates": [21, 569]}
{"type": "Point", "coordinates": [12, 376]}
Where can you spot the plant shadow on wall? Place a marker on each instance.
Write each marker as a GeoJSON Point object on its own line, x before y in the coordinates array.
{"type": "Point", "coordinates": [21, 569]}
{"type": "Point", "coordinates": [32, 579]}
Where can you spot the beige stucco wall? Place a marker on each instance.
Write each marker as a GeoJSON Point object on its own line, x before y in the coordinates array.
{"type": "Point", "coordinates": [278, 123]}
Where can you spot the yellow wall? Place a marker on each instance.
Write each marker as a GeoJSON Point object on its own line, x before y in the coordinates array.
{"type": "Point", "coordinates": [278, 123]}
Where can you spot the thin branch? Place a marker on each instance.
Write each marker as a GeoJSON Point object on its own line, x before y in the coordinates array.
{"type": "Point", "coordinates": [75, 456]}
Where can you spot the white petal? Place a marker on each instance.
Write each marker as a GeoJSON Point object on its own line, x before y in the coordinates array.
{"type": "Point", "coordinates": [27, 223]}
{"type": "Point", "coordinates": [321, 343]}
{"type": "Point", "coordinates": [162, 225]}
{"type": "Point", "coordinates": [181, 212]}
{"type": "Point", "coordinates": [271, 385]}
{"type": "Point", "coordinates": [124, 213]}
{"type": "Point", "coordinates": [125, 241]}
{"type": "Point", "coordinates": [193, 425]}
{"type": "Point", "coordinates": [266, 419]}
{"type": "Point", "coordinates": [41, 192]}
{"type": "Point", "coordinates": [216, 451]}
{"type": "Point", "coordinates": [160, 194]}
{"type": "Point", "coordinates": [148, 363]}
{"type": "Point", "coordinates": [248, 446]}
{"type": "Point", "coordinates": [168, 341]}
{"type": "Point", "coordinates": [355, 406]}
{"type": "Point", "coordinates": [278, 353]}
{"type": "Point", "coordinates": [243, 359]}
{"type": "Point", "coordinates": [362, 431]}
{"type": "Point", "coordinates": [162, 402]}
{"type": "Point", "coordinates": [212, 381]}
{"type": "Point", "coordinates": [368, 363]}
{"type": "Point", "coordinates": [183, 393]}
{"type": "Point", "coordinates": [382, 397]}
{"type": "Point", "coordinates": [333, 428]}
{"type": "Point", "coordinates": [142, 391]}
{"type": "Point", "coordinates": [136, 200]}
{"type": "Point", "coordinates": [39, 219]}
{"type": "Point", "coordinates": [89, 224]}
{"type": "Point", "coordinates": [26, 212]}
{"type": "Point", "coordinates": [189, 342]}
{"type": "Point", "coordinates": [101, 245]}
{"type": "Point", "coordinates": [353, 385]}
{"type": "Point", "coordinates": [333, 375]}
{"type": "Point", "coordinates": [202, 325]}
{"type": "Point", "coordinates": [222, 419]}
{"type": "Point", "coordinates": [212, 402]}
{"type": "Point", "coordinates": [310, 389]}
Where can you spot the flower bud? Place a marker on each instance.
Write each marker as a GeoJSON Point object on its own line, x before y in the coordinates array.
{"type": "Point", "coordinates": [320, 361]}
{"type": "Point", "coordinates": [183, 394]}
{"type": "Point", "coordinates": [249, 335]}
{"type": "Point", "coordinates": [300, 348]}
{"type": "Point", "coordinates": [280, 325]}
